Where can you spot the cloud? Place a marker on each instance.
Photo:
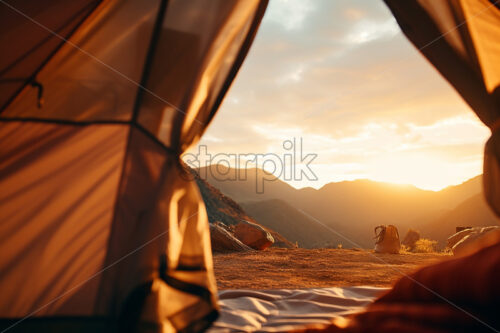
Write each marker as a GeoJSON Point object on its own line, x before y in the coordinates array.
{"type": "Point", "coordinates": [366, 31]}
{"type": "Point", "coordinates": [289, 14]}
{"type": "Point", "coordinates": [342, 76]}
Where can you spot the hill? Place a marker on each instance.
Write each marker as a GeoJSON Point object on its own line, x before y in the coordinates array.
{"type": "Point", "coordinates": [352, 208]}
{"type": "Point", "coordinates": [473, 212]}
{"type": "Point", "coordinates": [291, 223]}
{"type": "Point", "coordinates": [241, 184]}
{"type": "Point", "coordinates": [355, 208]}
{"type": "Point", "coordinates": [222, 208]}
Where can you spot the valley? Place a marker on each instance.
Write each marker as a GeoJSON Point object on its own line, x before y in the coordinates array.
{"type": "Point", "coordinates": [351, 209]}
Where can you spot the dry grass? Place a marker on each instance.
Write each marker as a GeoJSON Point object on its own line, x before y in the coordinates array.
{"type": "Point", "coordinates": [424, 245]}
{"type": "Point", "coordinates": [302, 268]}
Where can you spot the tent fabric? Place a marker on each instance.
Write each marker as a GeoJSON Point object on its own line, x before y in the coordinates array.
{"type": "Point", "coordinates": [26, 55]}
{"type": "Point", "coordinates": [58, 184]}
{"type": "Point", "coordinates": [193, 83]}
{"type": "Point", "coordinates": [116, 35]}
{"type": "Point", "coordinates": [99, 221]}
{"type": "Point", "coordinates": [461, 40]}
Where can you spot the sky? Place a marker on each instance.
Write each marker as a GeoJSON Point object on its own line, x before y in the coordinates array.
{"type": "Point", "coordinates": [340, 77]}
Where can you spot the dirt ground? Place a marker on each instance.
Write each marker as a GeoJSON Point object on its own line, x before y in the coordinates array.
{"type": "Point", "coordinates": [303, 268]}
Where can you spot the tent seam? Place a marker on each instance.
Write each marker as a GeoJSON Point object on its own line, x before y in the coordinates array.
{"type": "Point", "coordinates": [138, 126]}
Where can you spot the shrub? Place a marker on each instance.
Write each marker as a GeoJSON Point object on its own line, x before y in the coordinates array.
{"type": "Point", "coordinates": [404, 249]}
{"type": "Point", "coordinates": [424, 245]}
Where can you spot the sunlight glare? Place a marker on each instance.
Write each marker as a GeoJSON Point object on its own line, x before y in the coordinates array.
{"type": "Point", "coordinates": [423, 170]}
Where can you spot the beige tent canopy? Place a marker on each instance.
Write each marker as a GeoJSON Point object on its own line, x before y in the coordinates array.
{"type": "Point", "coordinates": [98, 228]}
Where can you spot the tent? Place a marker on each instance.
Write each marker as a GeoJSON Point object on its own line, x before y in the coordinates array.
{"type": "Point", "coordinates": [100, 230]}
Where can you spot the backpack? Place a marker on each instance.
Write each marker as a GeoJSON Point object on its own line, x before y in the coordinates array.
{"type": "Point", "coordinates": [387, 239]}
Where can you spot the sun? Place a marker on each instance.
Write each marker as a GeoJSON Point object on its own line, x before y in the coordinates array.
{"type": "Point", "coordinates": [423, 170]}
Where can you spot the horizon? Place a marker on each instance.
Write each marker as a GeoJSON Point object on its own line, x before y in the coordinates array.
{"type": "Point", "coordinates": [345, 180]}
{"type": "Point", "coordinates": [342, 77]}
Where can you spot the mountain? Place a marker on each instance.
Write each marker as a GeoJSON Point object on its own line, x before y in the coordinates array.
{"type": "Point", "coordinates": [222, 208]}
{"type": "Point", "coordinates": [467, 189]}
{"type": "Point", "coordinates": [351, 208]}
{"type": "Point", "coordinates": [245, 184]}
{"type": "Point", "coordinates": [291, 223]}
{"type": "Point", "coordinates": [473, 212]}
{"type": "Point", "coordinates": [355, 208]}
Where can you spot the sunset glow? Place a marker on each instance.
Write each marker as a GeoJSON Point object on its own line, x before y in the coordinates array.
{"type": "Point", "coordinates": [341, 76]}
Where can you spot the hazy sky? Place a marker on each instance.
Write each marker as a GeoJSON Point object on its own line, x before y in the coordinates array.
{"type": "Point", "coordinates": [341, 76]}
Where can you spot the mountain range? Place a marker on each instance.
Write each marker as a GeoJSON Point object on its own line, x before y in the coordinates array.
{"type": "Point", "coordinates": [347, 212]}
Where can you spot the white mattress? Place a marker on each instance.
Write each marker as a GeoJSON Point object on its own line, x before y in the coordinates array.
{"type": "Point", "coordinates": [287, 309]}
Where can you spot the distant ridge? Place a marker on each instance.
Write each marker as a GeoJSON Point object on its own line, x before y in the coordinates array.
{"type": "Point", "coordinates": [352, 208]}
{"type": "Point", "coordinates": [473, 212]}
{"type": "Point", "coordinates": [241, 184]}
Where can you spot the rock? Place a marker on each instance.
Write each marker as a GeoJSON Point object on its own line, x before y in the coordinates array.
{"type": "Point", "coordinates": [253, 235]}
{"type": "Point", "coordinates": [223, 241]}
{"type": "Point", "coordinates": [458, 229]}
{"type": "Point", "coordinates": [474, 239]}
{"type": "Point", "coordinates": [223, 226]}
{"type": "Point", "coordinates": [412, 236]}
{"type": "Point", "coordinates": [387, 239]}
{"type": "Point", "coordinates": [458, 236]}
